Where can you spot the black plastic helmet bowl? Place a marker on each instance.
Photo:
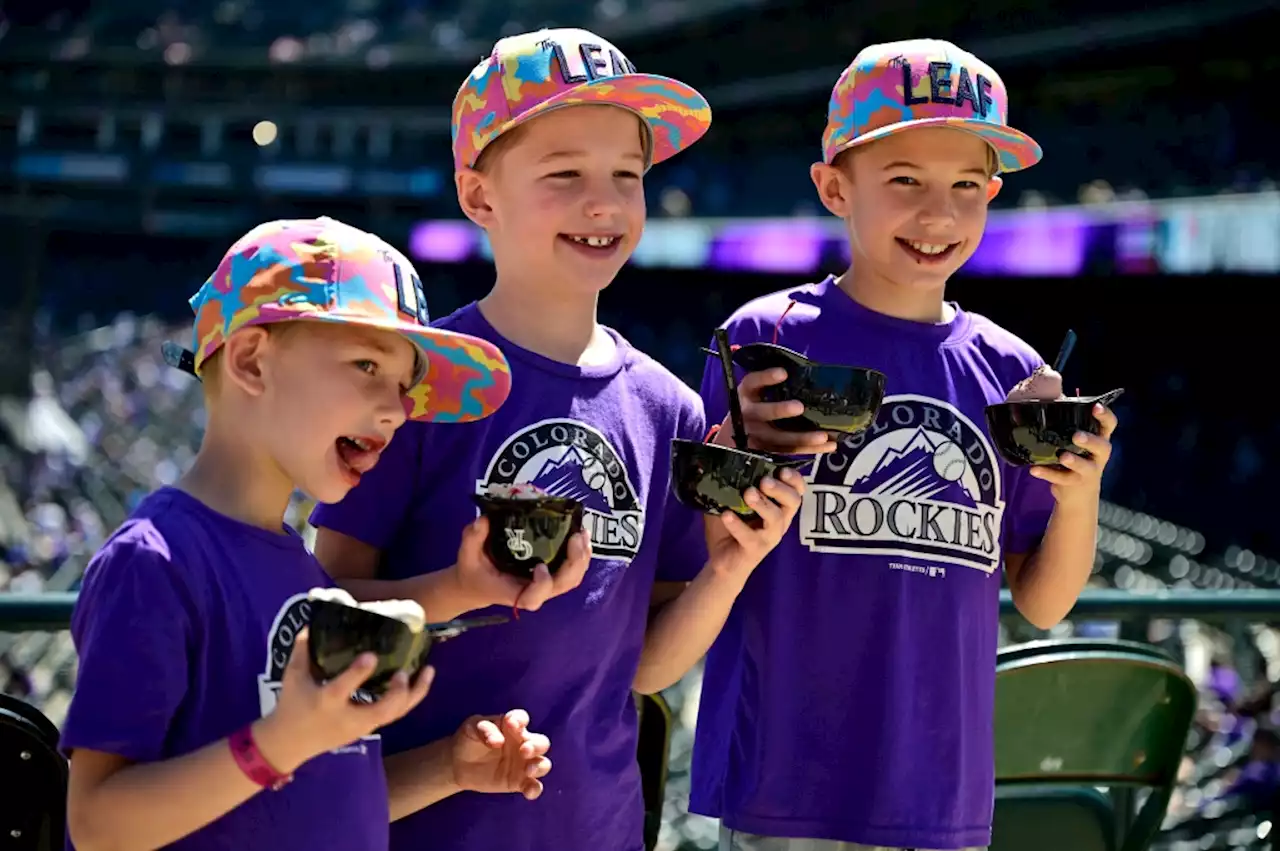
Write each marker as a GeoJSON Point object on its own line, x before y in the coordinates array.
{"type": "Point", "coordinates": [527, 527]}
{"type": "Point", "coordinates": [714, 479]}
{"type": "Point", "coordinates": [837, 398]}
{"type": "Point", "coordinates": [1036, 432]}
{"type": "Point", "coordinates": [393, 630]}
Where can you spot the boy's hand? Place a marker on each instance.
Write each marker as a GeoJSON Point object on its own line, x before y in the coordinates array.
{"type": "Point", "coordinates": [499, 754]}
{"type": "Point", "coordinates": [481, 584]}
{"type": "Point", "coordinates": [313, 718]}
{"type": "Point", "coordinates": [1081, 483]}
{"type": "Point", "coordinates": [733, 547]}
{"type": "Point", "coordinates": [758, 417]}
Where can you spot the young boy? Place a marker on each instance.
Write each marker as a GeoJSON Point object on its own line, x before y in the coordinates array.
{"type": "Point", "coordinates": [848, 702]}
{"type": "Point", "coordinates": [194, 692]}
{"type": "Point", "coordinates": [552, 136]}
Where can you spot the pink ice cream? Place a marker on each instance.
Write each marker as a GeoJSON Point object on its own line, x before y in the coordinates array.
{"type": "Point", "coordinates": [519, 490]}
{"type": "Point", "coordinates": [1043, 384]}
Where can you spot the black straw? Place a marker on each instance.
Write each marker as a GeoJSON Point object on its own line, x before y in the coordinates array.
{"type": "Point", "coordinates": [731, 387]}
{"type": "Point", "coordinates": [1068, 343]}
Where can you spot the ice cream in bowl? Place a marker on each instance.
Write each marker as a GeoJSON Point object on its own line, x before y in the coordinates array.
{"type": "Point", "coordinates": [1037, 422]}
{"type": "Point", "coordinates": [528, 526]}
{"type": "Point", "coordinates": [395, 631]}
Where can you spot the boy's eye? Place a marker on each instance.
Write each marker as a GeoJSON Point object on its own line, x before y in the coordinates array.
{"type": "Point", "coordinates": [967, 184]}
{"type": "Point", "coordinates": [371, 367]}
{"type": "Point", "coordinates": [563, 175]}
{"type": "Point", "coordinates": [627, 175]}
{"type": "Point", "coordinates": [904, 180]}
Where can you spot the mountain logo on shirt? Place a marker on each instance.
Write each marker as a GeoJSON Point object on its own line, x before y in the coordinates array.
{"type": "Point", "coordinates": [294, 614]}
{"type": "Point", "coordinates": [923, 482]}
{"type": "Point", "coordinates": [569, 458]}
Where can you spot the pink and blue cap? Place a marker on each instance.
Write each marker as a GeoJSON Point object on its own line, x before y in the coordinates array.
{"type": "Point", "coordinates": [531, 74]}
{"type": "Point", "coordinates": [901, 85]}
{"type": "Point", "coordinates": [322, 270]}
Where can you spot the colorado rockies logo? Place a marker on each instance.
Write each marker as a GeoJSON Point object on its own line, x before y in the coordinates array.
{"type": "Point", "coordinates": [922, 481]}
{"type": "Point", "coordinates": [568, 458]}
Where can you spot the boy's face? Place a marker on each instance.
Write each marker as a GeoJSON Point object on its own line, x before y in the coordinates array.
{"type": "Point", "coordinates": [329, 397]}
{"type": "Point", "coordinates": [572, 175]}
{"type": "Point", "coordinates": [915, 202]}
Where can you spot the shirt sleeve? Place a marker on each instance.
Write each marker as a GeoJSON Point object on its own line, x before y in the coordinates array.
{"type": "Point", "coordinates": [374, 510]}
{"type": "Point", "coordinates": [134, 632]}
{"type": "Point", "coordinates": [682, 552]}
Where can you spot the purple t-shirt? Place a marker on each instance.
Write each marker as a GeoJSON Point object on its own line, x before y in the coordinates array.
{"type": "Point", "coordinates": [184, 625]}
{"type": "Point", "coordinates": [600, 434]}
{"type": "Point", "coordinates": [850, 695]}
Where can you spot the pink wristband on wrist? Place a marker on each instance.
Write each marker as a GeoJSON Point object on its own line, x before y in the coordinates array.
{"type": "Point", "coordinates": [251, 761]}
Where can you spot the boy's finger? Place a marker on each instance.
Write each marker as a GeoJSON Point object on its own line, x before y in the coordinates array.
{"type": "Point", "coordinates": [516, 721]}
{"type": "Point", "coordinates": [739, 530]}
{"type": "Point", "coordinates": [538, 591]}
{"type": "Point", "coordinates": [753, 382]}
{"type": "Point", "coordinates": [792, 479]}
{"type": "Point", "coordinates": [574, 569]}
{"type": "Point", "coordinates": [346, 683]}
{"type": "Point", "coordinates": [488, 733]}
{"type": "Point", "coordinates": [471, 548]}
{"type": "Point", "coordinates": [765, 412]}
{"type": "Point", "coordinates": [299, 665]}
{"type": "Point", "coordinates": [781, 493]}
{"type": "Point", "coordinates": [1107, 420]}
{"type": "Point", "coordinates": [534, 745]}
{"type": "Point", "coordinates": [421, 685]}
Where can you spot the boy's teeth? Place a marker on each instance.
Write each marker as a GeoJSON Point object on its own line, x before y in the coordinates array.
{"type": "Point", "coordinates": [928, 248]}
{"type": "Point", "coordinates": [595, 241]}
{"type": "Point", "coordinates": [361, 444]}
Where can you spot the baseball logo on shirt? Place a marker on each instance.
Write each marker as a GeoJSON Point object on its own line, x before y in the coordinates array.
{"type": "Point", "coordinates": [571, 459]}
{"type": "Point", "coordinates": [922, 482]}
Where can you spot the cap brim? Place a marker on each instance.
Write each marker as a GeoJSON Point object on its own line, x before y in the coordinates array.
{"type": "Point", "coordinates": [465, 378]}
{"type": "Point", "coordinates": [1014, 149]}
{"type": "Point", "coordinates": [676, 113]}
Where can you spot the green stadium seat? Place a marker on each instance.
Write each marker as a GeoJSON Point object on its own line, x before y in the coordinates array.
{"type": "Point", "coordinates": [1076, 716]}
{"type": "Point", "coordinates": [653, 753]}
{"type": "Point", "coordinates": [1065, 645]}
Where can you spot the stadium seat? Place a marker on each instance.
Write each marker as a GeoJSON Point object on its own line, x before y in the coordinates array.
{"type": "Point", "coordinates": [1032, 649]}
{"type": "Point", "coordinates": [653, 752]}
{"type": "Point", "coordinates": [33, 809]}
{"type": "Point", "coordinates": [1073, 717]}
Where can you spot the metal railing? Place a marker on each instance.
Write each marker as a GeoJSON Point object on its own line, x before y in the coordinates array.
{"type": "Point", "coordinates": [52, 610]}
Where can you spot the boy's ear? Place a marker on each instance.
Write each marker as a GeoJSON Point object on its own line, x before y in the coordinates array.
{"type": "Point", "coordinates": [242, 359]}
{"type": "Point", "coordinates": [835, 189]}
{"type": "Point", "coordinates": [994, 185]}
{"type": "Point", "coordinates": [474, 195]}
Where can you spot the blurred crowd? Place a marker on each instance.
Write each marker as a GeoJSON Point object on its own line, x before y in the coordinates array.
{"type": "Point", "coordinates": [295, 30]}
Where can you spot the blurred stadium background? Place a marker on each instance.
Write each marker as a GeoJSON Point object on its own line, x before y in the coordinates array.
{"type": "Point", "coordinates": [139, 137]}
